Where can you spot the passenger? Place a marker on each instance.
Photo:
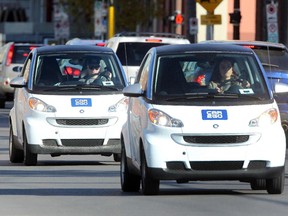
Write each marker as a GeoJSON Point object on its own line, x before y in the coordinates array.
{"type": "Point", "coordinates": [224, 78]}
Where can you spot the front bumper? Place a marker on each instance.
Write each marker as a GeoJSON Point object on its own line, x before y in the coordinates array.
{"type": "Point", "coordinates": [44, 136]}
{"type": "Point", "coordinates": [170, 157]}
{"type": "Point", "coordinates": [193, 175]}
{"type": "Point", "coordinates": [51, 147]}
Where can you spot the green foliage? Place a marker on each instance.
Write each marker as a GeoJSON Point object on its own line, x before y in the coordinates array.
{"type": "Point", "coordinates": [136, 13]}
{"type": "Point", "coordinates": [130, 15]}
{"type": "Point", "coordinates": [81, 17]}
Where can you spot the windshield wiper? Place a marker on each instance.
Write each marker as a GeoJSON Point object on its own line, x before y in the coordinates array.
{"type": "Point", "coordinates": [85, 86]}
{"type": "Point", "coordinates": [200, 95]}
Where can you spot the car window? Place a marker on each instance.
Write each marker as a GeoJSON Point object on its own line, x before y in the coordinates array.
{"type": "Point", "coordinates": [274, 59]}
{"type": "Point", "coordinates": [144, 73]}
{"type": "Point", "coordinates": [26, 69]}
{"type": "Point", "coordinates": [131, 53]}
{"type": "Point", "coordinates": [20, 53]}
{"type": "Point", "coordinates": [194, 73]}
{"type": "Point", "coordinates": [75, 69]}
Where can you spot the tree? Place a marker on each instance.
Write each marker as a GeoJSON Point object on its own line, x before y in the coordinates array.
{"type": "Point", "coordinates": [81, 17]}
{"type": "Point", "coordinates": [131, 15]}
{"type": "Point", "coordinates": [137, 15]}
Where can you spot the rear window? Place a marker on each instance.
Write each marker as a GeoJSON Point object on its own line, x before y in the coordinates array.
{"type": "Point", "coordinates": [131, 54]}
{"type": "Point", "coordinates": [20, 53]}
{"type": "Point", "coordinates": [273, 59]}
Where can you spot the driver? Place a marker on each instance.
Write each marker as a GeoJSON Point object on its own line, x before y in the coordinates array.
{"type": "Point", "coordinates": [226, 77]}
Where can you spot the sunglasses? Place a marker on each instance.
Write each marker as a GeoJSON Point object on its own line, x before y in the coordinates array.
{"type": "Point", "coordinates": [94, 67]}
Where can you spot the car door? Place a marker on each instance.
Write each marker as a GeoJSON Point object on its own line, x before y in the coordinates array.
{"type": "Point", "coordinates": [137, 114]}
{"type": "Point", "coordinates": [22, 96]}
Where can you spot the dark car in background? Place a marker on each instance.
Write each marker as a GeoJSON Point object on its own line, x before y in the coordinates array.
{"type": "Point", "coordinates": [12, 58]}
{"type": "Point", "coordinates": [274, 58]}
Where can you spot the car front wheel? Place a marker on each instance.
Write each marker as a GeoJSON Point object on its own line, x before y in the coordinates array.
{"type": "Point", "coordinates": [15, 155]}
{"type": "Point", "coordinates": [30, 159]}
{"type": "Point", "coordinates": [150, 186]}
{"type": "Point", "coordinates": [129, 181]}
{"type": "Point", "coordinates": [276, 185]}
{"type": "Point", "coordinates": [258, 184]}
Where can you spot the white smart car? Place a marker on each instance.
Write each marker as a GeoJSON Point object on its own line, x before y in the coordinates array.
{"type": "Point", "coordinates": [131, 47]}
{"type": "Point", "coordinates": [180, 129]}
{"type": "Point", "coordinates": [56, 112]}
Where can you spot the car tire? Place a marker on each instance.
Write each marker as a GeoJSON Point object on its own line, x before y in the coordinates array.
{"type": "Point", "coordinates": [150, 186]}
{"type": "Point", "coordinates": [117, 157]}
{"type": "Point", "coordinates": [276, 185]}
{"type": "Point", "coordinates": [258, 184]}
{"type": "Point", "coordinates": [15, 155]}
{"type": "Point", "coordinates": [129, 182]}
{"type": "Point", "coordinates": [2, 103]}
{"type": "Point", "coordinates": [30, 159]}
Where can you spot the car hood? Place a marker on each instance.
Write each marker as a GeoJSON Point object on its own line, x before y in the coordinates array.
{"type": "Point", "coordinates": [99, 105]}
{"type": "Point", "coordinates": [277, 74]}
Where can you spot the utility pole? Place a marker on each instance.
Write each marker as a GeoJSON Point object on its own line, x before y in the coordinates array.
{"type": "Point", "coordinates": [190, 12]}
{"type": "Point", "coordinates": [111, 19]}
{"type": "Point", "coordinates": [235, 19]}
{"type": "Point", "coordinates": [178, 29]}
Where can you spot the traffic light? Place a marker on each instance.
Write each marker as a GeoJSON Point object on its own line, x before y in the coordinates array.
{"type": "Point", "coordinates": [177, 18]}
{"type": "Point", "coordinates": [235, 17]}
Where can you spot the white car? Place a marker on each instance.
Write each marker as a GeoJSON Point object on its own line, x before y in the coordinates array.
{"type": "Point", "coordinates": [179, 129]}
{"type": "Point", "coordinates": [56, 112]}
{"type": "Point", "coordinates": [92, 42]}
{"type": "Point", "coordinates": [12, 57]}
{"type": "Point", "coordinates": [131, 47]}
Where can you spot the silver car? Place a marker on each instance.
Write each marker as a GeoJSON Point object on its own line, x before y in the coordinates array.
{"type": "Point", "coordinates": [12, 57]}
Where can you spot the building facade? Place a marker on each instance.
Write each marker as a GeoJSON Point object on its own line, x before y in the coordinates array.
{"type": "Point", "coordinates": [34, 20]}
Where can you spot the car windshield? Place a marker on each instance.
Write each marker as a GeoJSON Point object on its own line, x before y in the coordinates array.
{"type": "Point", "coordinates": [131, 53]}
{"type": "Point", "coordinates": [203, 75]}
{"type": "Point", "coordinates": [57, 72]}
{"type": "Point", "coordinates": [273, 59]}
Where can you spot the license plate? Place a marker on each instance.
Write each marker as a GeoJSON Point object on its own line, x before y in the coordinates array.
{"type": "Point", "coordinates": [214, 114]}
{"type": "Point", "coordinates": [81, 102]}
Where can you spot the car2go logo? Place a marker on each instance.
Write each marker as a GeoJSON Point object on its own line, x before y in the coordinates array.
{"type": "Point", "coordinates": [214, 115]}
{"type": "Point", "coordinates": [76, 102]}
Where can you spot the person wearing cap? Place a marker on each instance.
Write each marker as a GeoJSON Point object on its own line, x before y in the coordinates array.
{"type": "Point", "coordinates": [92, 70]}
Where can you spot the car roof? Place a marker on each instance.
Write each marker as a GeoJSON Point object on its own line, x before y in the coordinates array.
{"type": "Point", "coordinates": [145, 36]}
{"type": "Point", "coordinates": [248, 43]}
{"type": "Point", "coordinates": [74, 48]}
{"type": "Point", "coordinates": [23, 44]}
{"type": "Point", "coordinates": [78, 41]}
{"type": "Point", "coordinates": [182, 48]}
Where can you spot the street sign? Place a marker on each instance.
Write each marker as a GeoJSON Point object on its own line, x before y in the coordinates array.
{"type": "Point", "coordinates": [211, 19]}
{"type": "Point", "coordinates": [209, 5]}
{"type": "Point", "coordinates": [61, 23]}
{"type": "Point", "coordinates": [193, 25]}
{"type": "Point", "coordinates": [272, 22]}
{"type": "Point", "coordinates": [100, 18]}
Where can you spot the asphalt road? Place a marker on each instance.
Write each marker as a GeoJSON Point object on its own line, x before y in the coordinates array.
{"type": "Point", "coordinates": [90, 185]}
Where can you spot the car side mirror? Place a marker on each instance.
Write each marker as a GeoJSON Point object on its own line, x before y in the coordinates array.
{"type": "Point", "coordinates": [18, 82]}
{"type": "Point", "coordinates": [133, 90]}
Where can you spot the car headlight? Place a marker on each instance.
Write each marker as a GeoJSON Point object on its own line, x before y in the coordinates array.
{"type": "Point", "coordinates": [120, 106]}
{"type": "Point", "coordinates": [160, 118]}
{"type": "Point", "coordinates": [267, 118]}
{"type": "Point", "coordinates": [39, 105]}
